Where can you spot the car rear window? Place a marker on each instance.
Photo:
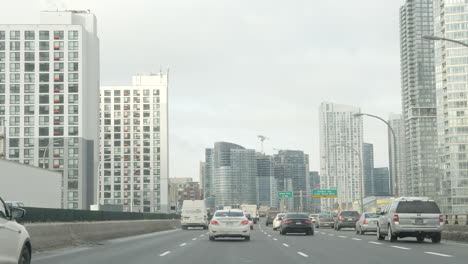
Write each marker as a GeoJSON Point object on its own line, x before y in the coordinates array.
{"type": "Point", "coordinates": [349, 213]}
{"type": "Point", "coordinates": [325, 216]}
{"type": "Point", "coordinates": [229, 214]}
{"type": "Point", "coordinates": [418, 207]}
{"type": "Point", "coordinates": [371, 215]}
{"type": "Point", "coordinates": [297, 216]}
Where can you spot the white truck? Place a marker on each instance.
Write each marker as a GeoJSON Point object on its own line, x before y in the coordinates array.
{"type": "Point", "coordinates": [194, 214]}
{"type": "Point", "coordinates": [251, 209]}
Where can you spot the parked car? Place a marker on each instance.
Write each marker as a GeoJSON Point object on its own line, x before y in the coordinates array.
{"type": "Point", "coordinates": [411, 217]}
{"type": "Point", "coordinates": [367, 223]}
{"type": "Point", "coordinates": [277, 221]}
{"type": "Point", "coordinates": [270, 217]}
{"type": "Point", "coordinates": [313, 217]}
{"type": "Point", "coordinates": [324, 220]}
{"type": "Point", "coordinates": [346, 219]}
{"type": "Point", "coordinates": [14, 204]}
{"type": "Point", "coordinates": [229, 223]}
{"type": "Point", "coordinates": [296, 223]}
{"type": "Point", "coordinates": [15, 243]}
{"type": "Point", "coordinates": [251, 221]}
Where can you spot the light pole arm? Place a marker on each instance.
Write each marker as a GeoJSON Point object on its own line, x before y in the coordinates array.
{"type": "Point", "coordinates": [446, 39]}
{"type": "Point", "coordinates": [47, 149]}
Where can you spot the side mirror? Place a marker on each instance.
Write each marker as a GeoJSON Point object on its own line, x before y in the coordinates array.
{"type": "Point", "coordinates": [280, 218]}
{"type": "Point", "coordinates": [17, 213]}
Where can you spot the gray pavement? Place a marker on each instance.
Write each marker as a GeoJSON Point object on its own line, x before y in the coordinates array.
{"type": "Point", "coordinates": [267, 246]}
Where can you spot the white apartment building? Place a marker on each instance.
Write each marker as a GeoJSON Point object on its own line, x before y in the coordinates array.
{"type": "Point", "coordinates": [341, 138]}
{"type": "Point", "coordinates": [134, 152]}
{"type": "Point", "coordinates": [396, 121]}
{"type": "Point", "coordinates": [49, 90]}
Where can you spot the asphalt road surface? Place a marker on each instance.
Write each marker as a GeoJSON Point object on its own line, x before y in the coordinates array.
{"type": "Point", "coordinates": [266, 246]}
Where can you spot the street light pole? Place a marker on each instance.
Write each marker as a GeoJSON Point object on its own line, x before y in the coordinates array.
{"type": "Point", "coordinates": [395, 171]}
{"type": "Point", "coordinates": [446, 39]}
{"type": "Point", "coordinates": [46, 149]}
{"type": "Point", "coordinates": [361, 189]}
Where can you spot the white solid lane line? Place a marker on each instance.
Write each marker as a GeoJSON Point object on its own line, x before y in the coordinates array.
{"type": "Point", "coordinates": [164, 254]}
{"type": "Point", "coordinates": [401, 247]}
{"type": "Point", "coordinates": [438, 254]}
{"type": "Point", "coordinates": [302, 254]}
{"type": "Point", "coordinates": [343, 236]}
{"type": "Point", "coordinates": [183, 244]}
{"type": "Point", "coordinates": [373, 242]}
{"type": "Point", "coordinates": [357, 239]}
{"type": "Point", "coordinates": [286, 245]}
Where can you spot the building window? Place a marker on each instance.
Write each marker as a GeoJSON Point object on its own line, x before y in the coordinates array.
{"type": "Point", "coordinates": [15, 56]}
{"type": "Point", "coordinates": [73, 45]}
{"type": "Point", "coordinates": [2, 45]}
{"type": "Point", "coordinates": [44, 56]}
{"type": "Point", "coordinates": [58, 77]}
{"type": "Point", "coordinates": [29, 35]}
{"type": "Point", "coordinates": [43, 109]}
{"type": "Point", "coordinates": [58, 35]}
{"type": "Point", "coordinates": [14, 99]}
{"type": "Point", "coordinates": [43, 88]}
{"type": "Point", "coordinates": [29, 77]}
{"type": "Point", "coordinates": [44, 35]}
{"type": "Point", "coordinates": [73, 77]}
{"type": "Point", "coordinates": [44, 45]}
{"type": "Point", "coordinates": [29, 131]}
{"type": "Point", "coordinates": [2, 56]}
{"type": "Point", "coordinates": [72, 98]}
{"type": "Point", "coordinates": [29, 99]}
{"type": "Point", "coordinates": [14, 153]}
{"type": "Point", "coordinates": [73, 109]}
{"type": "Point", "coordinates": [73, 88]}
{"type": "Point", "coordinates": [44, 67]}
{"type": "Point", "coordinates": [15, 45]}
{"type": "Point", "coordinates": [29, 45]}
{"type": "Point", "coordinates": [29, 56]}
{"type": "Point", "coordinates": [29, 142]}
{"type": "Point", "coordinates": [72, 56]}
{"type": "Point", "coordinates": [29, 67]}
{"type": "Point", "coordinates": [58, 66]}
{"type": "Point", "coordinates": [29, 88]}
{"type": "Point", "coordinates": [14, 131]}
{"type": "Point", "coordinates": [15, 67]}
{"type": "Point", "coordinates": [14, 88]}
{"type": "Point", "coordinates": [58, 56]}
{"type": "Point", "coordinates": [43, 121]}
{"type": "Point", "coordinates": [73, 131]}
{"type": "Point", "coordinates": [14, 35]}
{"type": "Point", "coordinates": [73, 66]}
{"type": "Point", "coordinates": [73, 120]}
{"type": "Point", "coordinates": [29, 110]}
{"type": "Point", "coordinates": [2, 35]}
{"type": "Point", "coordinates": [73, 35]}
{"type": "Point", "coordinates": [15, 77]}
{"type": "Point", "coordinates": [58, 45]}
{"type": "Point", "coordinates": [44, 77]}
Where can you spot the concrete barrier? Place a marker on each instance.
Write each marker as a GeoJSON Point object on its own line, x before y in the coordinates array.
{"type": "Point", "coordinates": [455, 233]}
{"type": "Point", "coordinates": [49, 236]}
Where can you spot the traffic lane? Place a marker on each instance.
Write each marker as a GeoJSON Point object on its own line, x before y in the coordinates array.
{"type": "Point", "coordinates": [459, 250]}
{"type": "Point", "coordinates": [338, 247]}
{"type": "Point", "coordinates": [119, 251]}
{"type": "Point", "coordinates": [259, 250]}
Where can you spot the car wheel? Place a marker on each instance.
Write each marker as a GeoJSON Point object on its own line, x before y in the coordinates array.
{"type": "Point", "coordinates": [391, 236]}
{"type": "Point", "coordinates": [25, 257]}
{"type": "Point", "coordinates": [247, 238]}
{"type": "Point", "coordinates": [362, 232]}
{"type": "Point", "coordinates": [379, 236]}
{"type": "Point", "coordinates": [357, 231]}
{"type": "Point", "coordinates": [251, 227]}
{"type": "Point", "coordinates": [266, 224]}
{"type": "Point", "coordinates": [310, 232]}
{"type": "Point", "coordinates": [338, 227]}
{"type": "Point", "coordinates": [436, 238]}
{"type": "Point", "coordinates": [282, 233]}
{"type": "Point", "coordinates": [420, 239]}
{"type": "Point", "coordinates": [317, 226]}
{"type": "Point", "coordinates": [211, 238]}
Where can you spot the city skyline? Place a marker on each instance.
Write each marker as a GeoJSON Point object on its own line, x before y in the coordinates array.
{"type": "Point", "coordinates": [203, 102]}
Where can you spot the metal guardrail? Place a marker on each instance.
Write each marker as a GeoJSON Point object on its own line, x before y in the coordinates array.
{"type": "Point", "coordinates": [36, 215]}
{"type": "Point", "coordinates": [456, 219]}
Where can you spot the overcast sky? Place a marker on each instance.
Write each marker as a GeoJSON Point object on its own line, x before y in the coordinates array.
{"type": "Point", "coordinates": [242, 68]}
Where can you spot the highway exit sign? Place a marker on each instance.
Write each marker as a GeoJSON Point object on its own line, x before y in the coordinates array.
{"type": "Point", "coordinates": [324, 193]}
{"type": "Point", "coordinates": [285, 194]}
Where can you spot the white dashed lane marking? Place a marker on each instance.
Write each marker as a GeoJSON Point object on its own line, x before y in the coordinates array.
{"type": "Point", "coordinates": [343, 236]}
{"type": "Point", "coordinates": [275, 239]}
{"type": "Point", "coordinates": [331, 234]}
{"type": "Point", "coordinates": [438, 254]}
{"type": "Point", "coordinates": [164, 254]}
{"type": "Point", "coordinates": [357, 239]}
{"type": "Point", "coordinates": [194, 238]}
{"type": "Point", "coordinates": [405, 248]}
{"type": "Point", "coordinates": [183, 244]}
{"type": "Point", "coordinates": [377, 243]}
{"type": "Point", "coordinates": [302, 254]}
{"type": "Point", "coordinates": [286, 245]}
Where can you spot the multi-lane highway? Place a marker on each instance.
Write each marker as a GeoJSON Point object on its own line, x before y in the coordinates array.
{"type": "Point", "coordinates": [267, 246]}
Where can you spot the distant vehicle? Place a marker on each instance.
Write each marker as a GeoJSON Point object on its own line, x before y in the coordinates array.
{"type": "Point", "coordinates": [313, 217]}
{"type": "Point", "coordinates": [324, 220]}
{"type": "Point", "coordinates": [270, 217]}
{"type": "Point", "coordinates": [411, 217]}
{"type": "Point", "coordinates": [296, 223]}
{"type": "Point", "coordinates": [251, 222]}
{"type": "Point", "coordinates": [194, 214]}
{"type": "Point", "coordinates": [346, 219]}
{"type": "Point", "coordinates": [229, 223]}
{"type": "Point", "coordinates": [367, 223]}
{"type": "Point", "coordinates": [251, 209]}
{"type": "Point", "coordinates": [14, 204]}
{"type": "Point", "coordinates": [15, 243]}
{"type": "Point", "coordinates": [277, 221]}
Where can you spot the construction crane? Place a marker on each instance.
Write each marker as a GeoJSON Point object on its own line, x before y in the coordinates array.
{"type": "Point", "coordinates": [262, 138]}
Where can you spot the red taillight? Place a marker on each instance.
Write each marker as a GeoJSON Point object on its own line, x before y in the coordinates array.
{"type": "Point", "coordinates": [288, 221]}
{"type": "Point", "coordinates": [364, 222]}
{"type": "Point", "coordinates": [358, 217]}
{"type": "Point", "coordinates": [341, 217]}
{"type": "Point", "coordinates": [214, 222]}
{"type": "Point", "coordinates": [441, 218]}
{"type": "Point", "coordinates": [396, 218]}
{"type": "Point", "coordinates": [308, 222]}
{"type": "Point", "coordinates": [245, 222]}
{"type": "Point", "coordinates": [278, 220]}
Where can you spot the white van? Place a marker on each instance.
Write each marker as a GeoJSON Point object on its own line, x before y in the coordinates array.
{"type": "Point", "coordinates": [194, 214]}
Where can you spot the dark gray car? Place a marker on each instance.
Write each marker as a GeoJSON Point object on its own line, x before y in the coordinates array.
{"type": "Point", "coordinates": [346, 219]}
{"type": "Point", "coordinates": [324, 220]}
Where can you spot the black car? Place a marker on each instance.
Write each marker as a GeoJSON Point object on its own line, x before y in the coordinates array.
{"type": "Point", "coordinates": [270, 217]}
{"type": "Point", "coordinates": [346, 219]}
{"type": "Point", "coordinates": [296, 223]}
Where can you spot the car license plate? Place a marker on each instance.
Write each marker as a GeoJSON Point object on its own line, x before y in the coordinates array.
{"type": "Point", "coordinates": [350, 219]}
{"type": "Point", "coordinates": [298, 223]}
{"type": "Point", "coordinates": [418, 221]}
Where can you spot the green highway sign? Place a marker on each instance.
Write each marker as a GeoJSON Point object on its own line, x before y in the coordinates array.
{"type": "Point", "coordinates": [324, 193]}
{"type": "Point", "coordinates": [285, 194]}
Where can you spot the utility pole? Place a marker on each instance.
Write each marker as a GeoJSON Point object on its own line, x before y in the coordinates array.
{"type": "Point", "coordinates": [301, 205]}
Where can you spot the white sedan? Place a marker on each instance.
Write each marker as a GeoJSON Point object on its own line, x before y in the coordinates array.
{"type": "Point", "coordinates": [229, 223]}
{"type": "Point", "coordinates": [15, 245]}
{"type": "Point", "coordinates": [277, 221]}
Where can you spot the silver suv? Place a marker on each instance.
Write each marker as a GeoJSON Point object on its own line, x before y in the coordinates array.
{"type": "Point", "coordinates": [411, 217]}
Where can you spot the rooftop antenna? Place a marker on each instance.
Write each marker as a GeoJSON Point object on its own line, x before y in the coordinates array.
{"type": "Point", "coordinates": [262, 138]}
